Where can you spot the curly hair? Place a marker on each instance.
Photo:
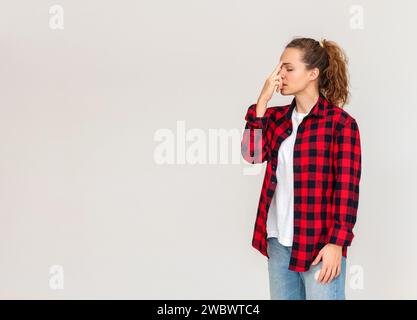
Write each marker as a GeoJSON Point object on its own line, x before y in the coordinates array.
{"type": "Point", "coordinates": [332, 62]}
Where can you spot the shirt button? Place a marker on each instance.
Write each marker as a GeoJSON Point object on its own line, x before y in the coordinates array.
{"type": "Point", "coordinates": [274, 167]}
{"type": "Point", "coordinates": [289, 131]}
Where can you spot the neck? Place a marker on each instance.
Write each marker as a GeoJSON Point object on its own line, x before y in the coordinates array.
{"type": "Point", "coordinates": [305, 101]}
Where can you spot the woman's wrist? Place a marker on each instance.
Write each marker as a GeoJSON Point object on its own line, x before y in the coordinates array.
{"type": "Point", "coordinates": [261, 107]}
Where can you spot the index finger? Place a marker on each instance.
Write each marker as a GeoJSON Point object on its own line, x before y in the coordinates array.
{"type": "Point", "coordinates": [277, 69]}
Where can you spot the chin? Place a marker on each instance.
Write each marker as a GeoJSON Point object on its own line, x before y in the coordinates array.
{"type": "Point", "coordinates": [288, 92]}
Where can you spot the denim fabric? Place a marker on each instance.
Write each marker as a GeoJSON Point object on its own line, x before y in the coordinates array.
{"type": "Point", "coordinates": [286, 284]}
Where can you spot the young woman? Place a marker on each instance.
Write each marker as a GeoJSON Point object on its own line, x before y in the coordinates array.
{"type": "Point", "coordinates": [310, 193]}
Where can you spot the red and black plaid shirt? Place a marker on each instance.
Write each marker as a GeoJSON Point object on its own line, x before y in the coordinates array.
{"type": "Point", "coordinates": [327, 170]}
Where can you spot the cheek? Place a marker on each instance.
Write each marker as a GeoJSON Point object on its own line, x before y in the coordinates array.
{"type": "Point", "coordinates": [292, 78]}
{"type": "Point", "coordinates": [296, 79]}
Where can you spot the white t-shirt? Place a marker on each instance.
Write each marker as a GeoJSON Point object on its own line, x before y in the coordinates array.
{"type": "Point", "coordinates": [280, 220]}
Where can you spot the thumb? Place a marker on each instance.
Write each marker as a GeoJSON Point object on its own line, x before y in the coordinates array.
{"type": "Point", "coordinates": [318, 258]}
{"type": "Point", "coordinates": [276, 88]}
{"type": "Point", "coordinates": [279, 86]}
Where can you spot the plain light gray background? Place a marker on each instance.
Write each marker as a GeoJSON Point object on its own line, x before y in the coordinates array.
{"type": "Point", "coordinates": [79, 185]}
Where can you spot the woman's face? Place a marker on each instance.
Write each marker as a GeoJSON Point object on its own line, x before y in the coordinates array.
{"type": "Point", "coordinates": [295, 76]}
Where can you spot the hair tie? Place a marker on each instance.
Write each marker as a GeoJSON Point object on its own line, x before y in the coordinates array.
{"type": "Point", "coordinates": [321, 42]}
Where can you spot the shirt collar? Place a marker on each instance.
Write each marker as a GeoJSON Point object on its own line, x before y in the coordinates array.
{"type": "Point", "coordinates": [317, 110]}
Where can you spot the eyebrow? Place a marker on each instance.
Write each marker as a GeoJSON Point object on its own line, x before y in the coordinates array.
{"type": "Point", "coordinates": [286, 63]}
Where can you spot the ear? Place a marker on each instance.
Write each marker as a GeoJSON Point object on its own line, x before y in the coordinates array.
{"type": "Point", "coordinates": [314, 73]}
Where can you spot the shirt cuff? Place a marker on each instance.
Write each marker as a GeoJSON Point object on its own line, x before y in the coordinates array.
{"type": "Point", "coordinates": [253, 120]}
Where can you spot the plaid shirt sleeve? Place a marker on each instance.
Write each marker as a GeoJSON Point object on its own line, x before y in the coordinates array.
{"type": "Point", "coordinates": [347, 169]}
{"type": "Point", "coordinates": [255, 146]}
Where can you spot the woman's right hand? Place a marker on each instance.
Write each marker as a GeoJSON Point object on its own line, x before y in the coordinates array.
{"type": "Point", "coordinates": [272, 83]}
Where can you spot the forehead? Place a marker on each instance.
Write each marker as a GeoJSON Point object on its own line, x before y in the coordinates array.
{"type": "Point", "coordinates": [291, 56]}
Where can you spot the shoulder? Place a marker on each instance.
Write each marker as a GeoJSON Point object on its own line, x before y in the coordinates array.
{"type": "Point", "coordinates": [339, 116]}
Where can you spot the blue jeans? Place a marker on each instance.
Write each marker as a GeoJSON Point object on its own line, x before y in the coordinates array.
{"type": "Point", "coordinates": [285, 284]}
